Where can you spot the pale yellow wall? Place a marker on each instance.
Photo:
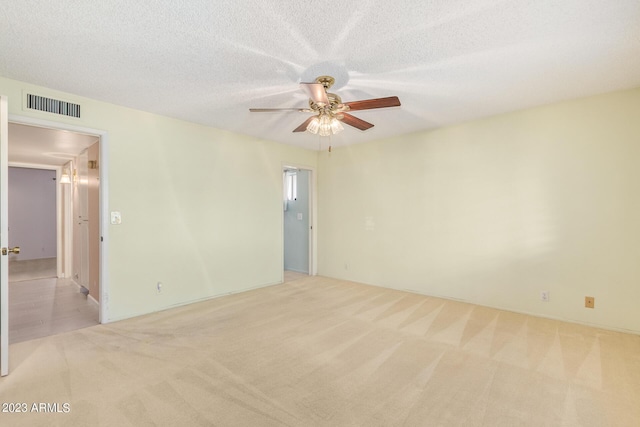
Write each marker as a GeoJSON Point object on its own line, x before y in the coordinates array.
{"type": "Point", "coordinates": [201, 208]}
{"type": "Point", "coordinates": [496, 210]}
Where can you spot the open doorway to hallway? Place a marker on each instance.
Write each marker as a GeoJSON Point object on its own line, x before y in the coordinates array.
{"type": "Point", "coordinates": [54, 282]}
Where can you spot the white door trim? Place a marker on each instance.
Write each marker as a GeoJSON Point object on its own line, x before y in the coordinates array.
{"type": "Point", "coordinates": [104, 199]}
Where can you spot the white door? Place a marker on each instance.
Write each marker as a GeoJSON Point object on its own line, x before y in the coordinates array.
{"type": "Point", "coordinates": [4, 238]}
{"type": "Point", "coordinates": [82, 229]}
{"type": "Point", "coordinates": [297, 224]}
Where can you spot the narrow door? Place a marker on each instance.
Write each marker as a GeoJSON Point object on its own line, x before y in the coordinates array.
{"type": "Point", "coordinates": [297, 221]}
{"type": "Point", "coordinates": [4, 238]}
{"type": "Point", "coordinates": [81, 222]}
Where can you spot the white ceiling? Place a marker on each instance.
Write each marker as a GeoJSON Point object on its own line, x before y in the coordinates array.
{"type": "Point", "coordinates": [41, 146]}
{"type": "Point", "coordinates": [210, 61]}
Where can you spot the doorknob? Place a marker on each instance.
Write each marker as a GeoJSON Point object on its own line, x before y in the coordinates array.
{"type": "Point", "coordinates": [15, 250]}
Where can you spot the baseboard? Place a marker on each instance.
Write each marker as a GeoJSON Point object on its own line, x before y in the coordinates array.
{"type": "Point", "coordinates": [527, 313]}
{"type": "Point", "coordinates": [194, 301]}
{"type": "Point", "coordinates": [93, 300]}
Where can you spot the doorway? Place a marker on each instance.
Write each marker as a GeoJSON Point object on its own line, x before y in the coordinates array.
{"type": "Point", "coordinates": [298, 222]}
{"type": "Point", "coordinates": [68, 300]}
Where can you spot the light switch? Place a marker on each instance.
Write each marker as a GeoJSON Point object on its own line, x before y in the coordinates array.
{"type": "Point", "coordinates": [116, 218]}
{"type": "Point", "coordinates": [299, 217]}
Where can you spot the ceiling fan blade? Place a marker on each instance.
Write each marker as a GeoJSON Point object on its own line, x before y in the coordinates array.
{"type": "Point", "coordinates": [356, 122]}
{"type": "Point", "coordinates": [369, 104]}
{"type": "Point", "coordinates": [275, 110]}
{"type": "Point", "coordinates": [316, 92]}
{"type": "Point", "coordinates": [303, 126]}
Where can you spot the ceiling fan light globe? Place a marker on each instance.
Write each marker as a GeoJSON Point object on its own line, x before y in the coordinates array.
{"type": "Point", "coordinates": [325, 130]}
{"type": "Point", "coordinates": [313, 126]}
{"type": "Point", "coordinates": [336, 126]}
{"type": "Point", "coordinates": [325, 120]}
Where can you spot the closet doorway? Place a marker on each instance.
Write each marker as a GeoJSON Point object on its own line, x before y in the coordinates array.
{"type": "Point", "coordinates": [298, 222]}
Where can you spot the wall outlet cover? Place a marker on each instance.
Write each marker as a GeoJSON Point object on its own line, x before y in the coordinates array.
{"type": "Point", "coordinates": [589, 302]}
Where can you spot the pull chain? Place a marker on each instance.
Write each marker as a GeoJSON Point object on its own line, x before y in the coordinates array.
{"type": "Point", "coordinates": [320, 143]}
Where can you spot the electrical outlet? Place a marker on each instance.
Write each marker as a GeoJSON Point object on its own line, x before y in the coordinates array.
{"type": "Point", "coordinates": [544, 296]}
{"type": "Point", "coordinates": [589, 302]}
{"type": "Point", "coordinates": [159, 287]}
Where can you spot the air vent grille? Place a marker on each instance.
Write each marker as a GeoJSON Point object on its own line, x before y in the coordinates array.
{"type": "Point", "coordinates": [56, 106]}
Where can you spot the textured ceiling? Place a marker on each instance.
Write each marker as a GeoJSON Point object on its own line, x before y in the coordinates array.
{"type": "Point", "coordinates": [209, 61]}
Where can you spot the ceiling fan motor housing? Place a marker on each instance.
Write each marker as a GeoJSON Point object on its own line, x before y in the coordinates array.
{"type": "Point", "coordinates": [326, 81]}
{"type": "Point", "coordinates": [335, 104]}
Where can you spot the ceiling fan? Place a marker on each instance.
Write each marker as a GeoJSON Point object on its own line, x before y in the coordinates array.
{"type": "Point", "coordinates": [329, 110]}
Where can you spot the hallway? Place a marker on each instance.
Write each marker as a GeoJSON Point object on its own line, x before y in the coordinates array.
{"type": "Point", "coordinates": [40, 306]}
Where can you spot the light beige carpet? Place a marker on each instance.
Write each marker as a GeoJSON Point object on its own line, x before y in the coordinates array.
{"type": "Point", "coordinates": [322, 352]}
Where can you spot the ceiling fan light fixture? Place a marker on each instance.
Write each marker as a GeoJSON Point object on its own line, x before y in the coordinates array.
{"type": "Point", "coordinates": [324, 125]}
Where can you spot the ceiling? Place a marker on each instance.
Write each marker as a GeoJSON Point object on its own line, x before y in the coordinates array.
{"type": "Point", "coordinates": [210, 61]}
{"type": "Point", "coordinates": [41, 146]}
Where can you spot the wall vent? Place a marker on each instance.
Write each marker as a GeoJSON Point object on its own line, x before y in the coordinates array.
{"type": "Point", "coordinates": [56, 106]}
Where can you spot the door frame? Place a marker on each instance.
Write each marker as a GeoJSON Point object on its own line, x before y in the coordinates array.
{"type": "Point", "coordinates": [103, 137]}
{"type": "Point", "coordinates": [313, 214]}
{"type": "Point", "coordinates": [4, 240]}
